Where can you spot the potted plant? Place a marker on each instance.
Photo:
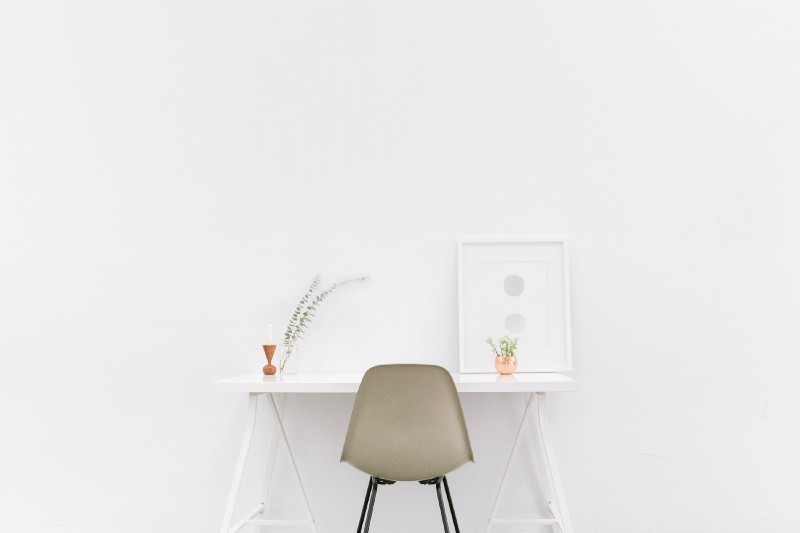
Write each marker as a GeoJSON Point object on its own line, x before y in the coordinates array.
{"type": "Point", "coordinates": [505, 360]}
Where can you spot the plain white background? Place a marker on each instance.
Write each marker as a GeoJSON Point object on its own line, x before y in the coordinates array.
{"type": "Point", "coordinates": [173, 174]}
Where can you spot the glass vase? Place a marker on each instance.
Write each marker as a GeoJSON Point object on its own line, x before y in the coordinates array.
{"type": "Point", "coordinates": [289, 361]}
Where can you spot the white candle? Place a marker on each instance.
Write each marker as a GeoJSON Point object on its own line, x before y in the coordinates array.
{"type": "Point", "coordinates": [269, 333]}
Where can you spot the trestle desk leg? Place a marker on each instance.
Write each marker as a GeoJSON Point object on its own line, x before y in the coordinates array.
{"type": "Point", "coordinates": [273, 450]}
{"type": "Point", "coordinates": [282, 433]}
{"type": "Point", "coordinates": [514, 450]}
{"type": "Point", "coordinates": [240, 463]}
{"type": "Point", "coordinates": [549, 467]}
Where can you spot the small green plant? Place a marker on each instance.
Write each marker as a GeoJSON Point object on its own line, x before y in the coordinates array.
{"type": "Point", "coordinates": [508, 346]}
{"type": "Point", "coordinates": [305, 311]}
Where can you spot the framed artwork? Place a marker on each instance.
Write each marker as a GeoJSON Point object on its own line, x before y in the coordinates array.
{"type": "Point", "coordinates": [516, 286]}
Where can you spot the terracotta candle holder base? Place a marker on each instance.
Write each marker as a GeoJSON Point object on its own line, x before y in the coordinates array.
{"type": "Point", "coordinates": [269, 369]}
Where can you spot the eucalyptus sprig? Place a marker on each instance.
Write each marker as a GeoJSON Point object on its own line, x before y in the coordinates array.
{"type": "Point", "coordinates": [305, 312]}
{"type": "Point", "coordinates": [508, 346]}
{"type": "Point", "coordinates": [292, 330]}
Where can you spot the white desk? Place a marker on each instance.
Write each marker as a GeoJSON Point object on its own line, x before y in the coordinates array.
{"type": "Point", "coordinates": [534, 386]}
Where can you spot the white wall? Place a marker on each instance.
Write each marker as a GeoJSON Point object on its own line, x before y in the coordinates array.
{"type": "Point", "coordinates": [173, 173]}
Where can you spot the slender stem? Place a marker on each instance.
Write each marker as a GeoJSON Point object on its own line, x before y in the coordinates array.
{"type": "Point", "coordinates": [287, 352]}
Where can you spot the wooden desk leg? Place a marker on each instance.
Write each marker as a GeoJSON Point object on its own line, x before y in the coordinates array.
{"type": "Point", "coordinates": [547, 462]}
{"type": "Point", "coordinates": [282, 433]}
{"type": "Point", "coordinates": [240, 462]}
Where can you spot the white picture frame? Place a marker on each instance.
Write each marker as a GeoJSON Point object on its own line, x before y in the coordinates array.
{"type": "Point", "coordinates": [517, 286]}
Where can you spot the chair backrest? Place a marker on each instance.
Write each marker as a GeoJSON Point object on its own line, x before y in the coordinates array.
{"type": "Point", "coordinates": [407, 424]}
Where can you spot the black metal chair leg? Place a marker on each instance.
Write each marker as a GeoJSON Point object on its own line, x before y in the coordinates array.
{"type": "Point", "coordinates": [450, 501]}
{"type": "Point", "coordinates": [364, 508]}
{"type": "Point", "coordinates": [441, 504]}
{"type": "Point", "coordinates": [371, 503]}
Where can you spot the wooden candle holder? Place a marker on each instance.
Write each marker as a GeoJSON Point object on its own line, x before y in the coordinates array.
{"type": "Point", "coordinates": [269, 369]}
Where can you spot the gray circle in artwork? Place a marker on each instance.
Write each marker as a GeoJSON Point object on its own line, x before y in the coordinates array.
{"type": "Point", "coordinates": [514, 285]}
{"type": "Point", "coordinates": [515, 323]}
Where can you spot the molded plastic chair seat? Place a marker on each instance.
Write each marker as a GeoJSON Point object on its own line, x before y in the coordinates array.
{"type": "Point", "coordinates": [407, 425]}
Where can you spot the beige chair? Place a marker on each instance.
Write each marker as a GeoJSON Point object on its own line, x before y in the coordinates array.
{"type": "Point", "coordinates": [407, 425]}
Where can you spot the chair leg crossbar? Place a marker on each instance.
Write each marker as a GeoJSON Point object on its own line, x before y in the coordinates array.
{"type": "Point", "coordinates": [372, 492]}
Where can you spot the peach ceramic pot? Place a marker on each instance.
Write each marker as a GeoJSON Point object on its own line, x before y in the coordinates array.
{"type": "Point", "coordinates": [505, 365]}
